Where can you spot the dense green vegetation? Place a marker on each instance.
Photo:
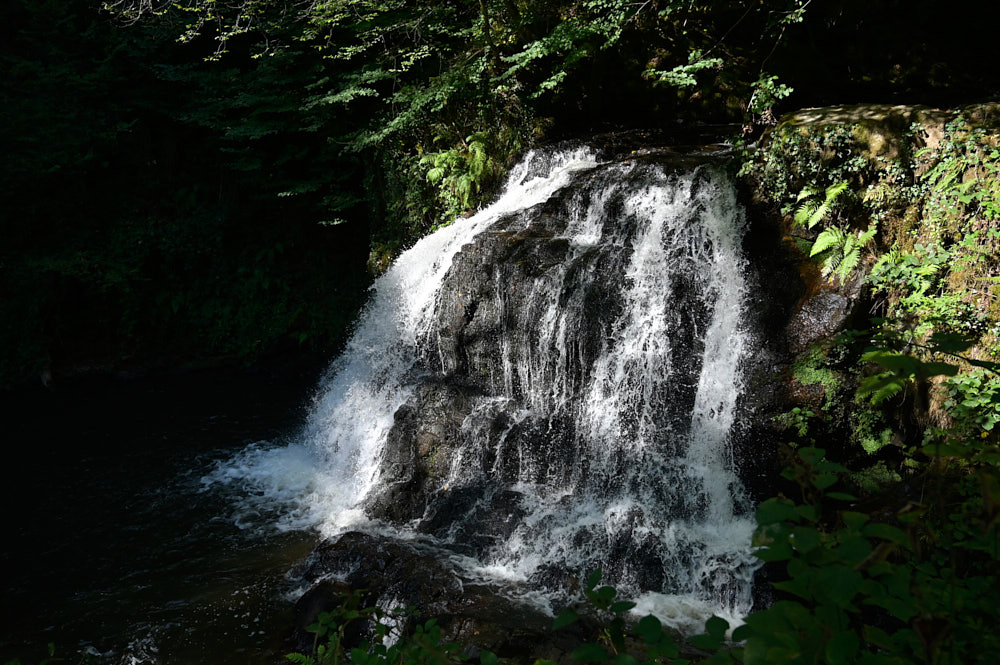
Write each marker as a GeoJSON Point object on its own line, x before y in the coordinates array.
{"type": "Point", "coordinates": [889, 555]}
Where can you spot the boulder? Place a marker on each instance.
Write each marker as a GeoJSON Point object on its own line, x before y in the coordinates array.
{"type": "Point", "coordinates": [391, 573]}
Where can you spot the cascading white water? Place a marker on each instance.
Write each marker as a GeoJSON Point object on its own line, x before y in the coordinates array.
{"type": "Point", "coordinates": [372, 379]}
{"type": "Point", "coordinates": [322, 479]}
{"type": "Point", "coordinates": [605, 405]}
{"type": "Point", "coordinates": [647, 490]}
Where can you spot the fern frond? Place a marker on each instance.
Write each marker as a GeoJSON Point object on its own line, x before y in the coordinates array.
{"type": "Point", "coordinates": [805, 212]}
{"type": "Point", "coordinates": [831, 238]}
{"type": "Point", "coordinates": [850, 261]}
{"type": "Point", "coordinates": [881, 387]}
{"type": "Point", "coordinates": [811, 210]}
{"type": "Point", "coordinates": [830, 264]}
{"type": "Point", "coordinates": [868, 234]}
{"type": "Point", "coordinates": [806, 193]}
{"type": "Point", "coordinates": [833, 191]}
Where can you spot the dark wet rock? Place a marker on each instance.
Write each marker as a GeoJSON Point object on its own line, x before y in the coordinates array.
{"type": "Point", "coordinates": [420, 448]}
{"type": "Point", "coordinates": [497, 291]}
{"type": "Point", "coordinates": [394, 573]}
{"type": "Point", "coordinates": [493, 284]}
{"type": "Point", "coordinates": [821, 316]}
{"type": "Point", "coordinates": [474, 517]}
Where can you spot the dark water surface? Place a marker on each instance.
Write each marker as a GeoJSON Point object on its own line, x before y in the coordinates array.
{"type": "Point", "coordinates": [114, 551]}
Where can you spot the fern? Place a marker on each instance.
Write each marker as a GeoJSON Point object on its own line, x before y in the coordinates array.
{"type": "Point", "coordinates": [683, 76]}
{"type": "Point", "coordinates": [463, 172]}
{"type": "Point", "coordinates": [811, 209]}
{"type": "Point", "coordinates": [882, 386]}
{"type": "Point", "coordinates": [900, 370]}
{"type": "Point", "coordinates": [830, 238]}
{"type": "Point", "coordinates": [842, 250]}
{"type": "Point", "coordinates": [852, 251]}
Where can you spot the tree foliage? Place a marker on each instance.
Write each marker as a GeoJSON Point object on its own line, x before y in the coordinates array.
{"type": "Point", "coordinates": [148, 216]}
{"type": "Point", "coordinates": [412, 78]}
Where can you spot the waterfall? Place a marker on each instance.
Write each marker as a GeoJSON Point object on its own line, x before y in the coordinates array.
{"type": "Point", "coordinates": [548, 387]}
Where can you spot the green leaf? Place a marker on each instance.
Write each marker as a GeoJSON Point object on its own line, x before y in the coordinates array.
{"type": "Point", "coordinates": [854, 520]}
{"type": "Point", "coordinates": [717, 627]}
{"type": "Point", "coordinates": [805, 538]}
{"type": "Point", "coordinates": [812, 212]}
{"type": "Point", "coordinates": [603, 596]}
{"type": "Point", "coordinates": [776, 551]}
{"type": "Point", "coordinates": [621, 606]}
{"type": "Point", "coordinates": [842, 647]}
{"type": "Point", "coordinates": [775, 510]}
{"type": "Point", "coordinates": [832, 237]}
{"type": "Point", "coordinates": [798, 586]}
{"type": "Point", "coordinates": [706, 642]}
{"type": "Point", "coordinates": [879, 638]}
{"type": "Point", "coordinates": [811, 455]}
{"type": "Point", "coordinates": [565, 618]}
{"type": "Point", "coordinates": [839, 583]}
{"type": "Point", "coordinates": [897, 362]}
{"type": "Point", "coordinates": [881, 387]}
{"type": "Point", "coordinates": [649, 629]}
{"type": "Point", "coordinates": [806, 192]}
{"type": "Point", "coordinates": [590, 653]}
{"type": "Point", "coordinates": [833, 191]}
{"type": "Point", "coordinates": [807, 512]}
{"type": "Point", "coordinates": [824, 480]}
{"type": "Point", "coordinates": [886, 532]}
{"type": "Point", "coordinates": [950, 342]}
{"type": "Point", "coordinates": [934, 368]}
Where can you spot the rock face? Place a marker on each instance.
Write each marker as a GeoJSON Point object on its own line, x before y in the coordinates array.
{"type": "Point", "coordinates": [498, 291]}
{"type": "Point", "coordinates": [497, 357]}
{"type": "Point", "coordinates": [884, 130]}
{"type": "Point", "coordinates": [420, 449]}
{"type": "Point", "coordinates": [514, 409]}
{"type": "Point", "coordinates": [823, 313]}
